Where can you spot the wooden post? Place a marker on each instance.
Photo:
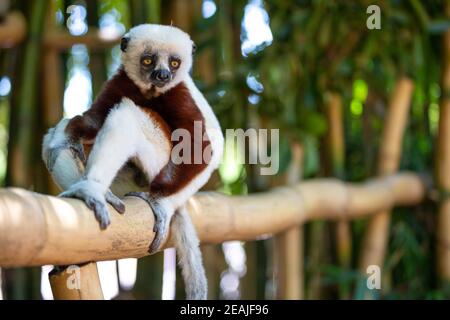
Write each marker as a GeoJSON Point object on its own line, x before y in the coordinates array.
{"type": "Point", "coordinates": [375, 242]}
{"type": "Point", "coordinates": [76, 282]}
{"type": "Point", "coordinates": [289, 244]}
{"type": "Point", "coordinates": [443, 168]}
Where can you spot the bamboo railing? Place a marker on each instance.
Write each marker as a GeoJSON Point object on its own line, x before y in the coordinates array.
{"type": "Point", "coordinates": [37, 229]}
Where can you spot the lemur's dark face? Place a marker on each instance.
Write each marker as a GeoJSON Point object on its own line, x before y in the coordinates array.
{"type": "Point", "coordinates": [156, 57]}
{"type": "Point", "coordinates": [159, 68]}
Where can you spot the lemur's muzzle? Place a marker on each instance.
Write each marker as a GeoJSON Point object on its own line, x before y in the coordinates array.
{"type": "Point", "coordinates": [161, 77]}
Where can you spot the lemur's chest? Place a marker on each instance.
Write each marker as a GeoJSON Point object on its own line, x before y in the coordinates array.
{"type": "Point", "coordinates": [178, 110]}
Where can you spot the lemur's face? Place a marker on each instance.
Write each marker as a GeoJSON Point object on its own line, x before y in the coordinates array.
{"type": "Point", "coordinates": [156, 57]}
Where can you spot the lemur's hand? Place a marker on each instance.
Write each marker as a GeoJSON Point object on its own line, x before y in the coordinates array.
{"type": "Point", "coordinates": [162, 215]}
{"type": "Point", "coordinates": [95, 199]}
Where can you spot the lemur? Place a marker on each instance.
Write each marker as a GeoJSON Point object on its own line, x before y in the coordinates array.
{"type": "Point", "coordinates": [129, 128]}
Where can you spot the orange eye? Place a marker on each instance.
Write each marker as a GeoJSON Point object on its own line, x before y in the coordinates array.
{"type": "Point", "coordinates": [175, 63]}
{"type": "Point", "coordinates": [147, 61]}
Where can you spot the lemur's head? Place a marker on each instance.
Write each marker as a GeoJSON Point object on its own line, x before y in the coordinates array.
{"type": "Point", "coordinates": [156, 57]}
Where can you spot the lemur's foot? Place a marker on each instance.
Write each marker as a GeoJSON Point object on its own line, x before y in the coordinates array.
{"type": "Point", "coordinates": [77, 150]}
{"type": "Point", "coordinates": [95, 200]}
{"type": "Point", "coordinates": [162, 219]}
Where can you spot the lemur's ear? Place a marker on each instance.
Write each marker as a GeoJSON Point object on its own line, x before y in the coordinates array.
{"type": "Point", "coordinates": [194, 48]}
{"type": "Point", "coordinates": [124, 43]}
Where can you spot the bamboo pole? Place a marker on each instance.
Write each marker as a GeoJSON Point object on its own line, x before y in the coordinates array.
{"type": "Point", "coordinates": [336, 147]}
{"type": "Point", "coordinates": [76, 282]}
{"type": "Point", "coordinates": [53, 87]}
{"type": "Point", "coordinates": [37, 229]}
{"type": "Point", "coordinates": [443, 168]}
{"type": "Point", "coordinates": [375, 242]}
{"type": "Point", "coordinates": [289, 244]}
{"type": "Point", "coordinates": [13, 30]}
{"type": "Point", "coordinates": [97, 59]}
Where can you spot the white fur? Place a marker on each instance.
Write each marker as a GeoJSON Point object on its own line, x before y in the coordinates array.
{"type": "Point", "coordinates": [166, 40]}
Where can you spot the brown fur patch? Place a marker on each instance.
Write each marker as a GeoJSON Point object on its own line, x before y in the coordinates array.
{"type": "Point", "coordinates": [179, 110]}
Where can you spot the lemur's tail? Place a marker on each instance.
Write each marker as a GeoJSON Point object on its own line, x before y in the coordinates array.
{"type": "Point", "coordinates": [189, 255]}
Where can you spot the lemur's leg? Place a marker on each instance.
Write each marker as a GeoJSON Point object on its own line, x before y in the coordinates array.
{"type": "Point", "coordinates": [170, 190]}
{"type": "Point", "coordinates": [65, 160]}
{"type": "Point", "coordinates": [163, 211]}
{"type": "Point", "coordinates": [112, 148]}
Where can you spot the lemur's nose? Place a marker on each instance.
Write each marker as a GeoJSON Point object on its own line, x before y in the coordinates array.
{"type": "Point", "coordinates": [162, 75]}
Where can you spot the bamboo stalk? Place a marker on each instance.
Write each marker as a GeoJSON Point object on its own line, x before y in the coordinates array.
{"type": "Point", "coordinates": [76, 282]}
{"type": "Point", "coordinates": [97, 61]}
{"type": "Point", "coordinates": [289, 244]}
{"type": "Point", "coordinates": [154, 11]}
{"type": "Point", "coordinates": [21, 148]}
{"type": "Point", "coordinates": [179, 14]}
{"type": "Point", "coordinates": [336, 147]}
{"type": "Point", "coordinates": [13, 30]}
{"type": "Point", "coordinates": [375, 242]}
{"type": "Point", "coordinates": [53, 88]}
{"type": "Point", "coordinates": [443, 168]}
{"type": "Point", "coordinates": [37, 229]}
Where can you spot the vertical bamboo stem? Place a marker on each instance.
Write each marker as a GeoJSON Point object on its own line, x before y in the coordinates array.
{"type": "Point", "coordinates": [53, 87]}
{"type": "Point", "coordinates": [336, 147]}
{"type": "Point", "coordinates": [21, 151]}
{"type": "Point", "coordinates": [154, 11]}
{"type": "Point", "coordinates": [375, 242]}
{"type": "Point", "coordinates": [97, 61]}
{"type": "Point", "coordinates": [77, 282]}
{"type": "Point", "coordinates": [443, 168]}
{"type": "Point", "coordinates": [22, 135]}
{"type": "Point", "coordinates": [289, 245]}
